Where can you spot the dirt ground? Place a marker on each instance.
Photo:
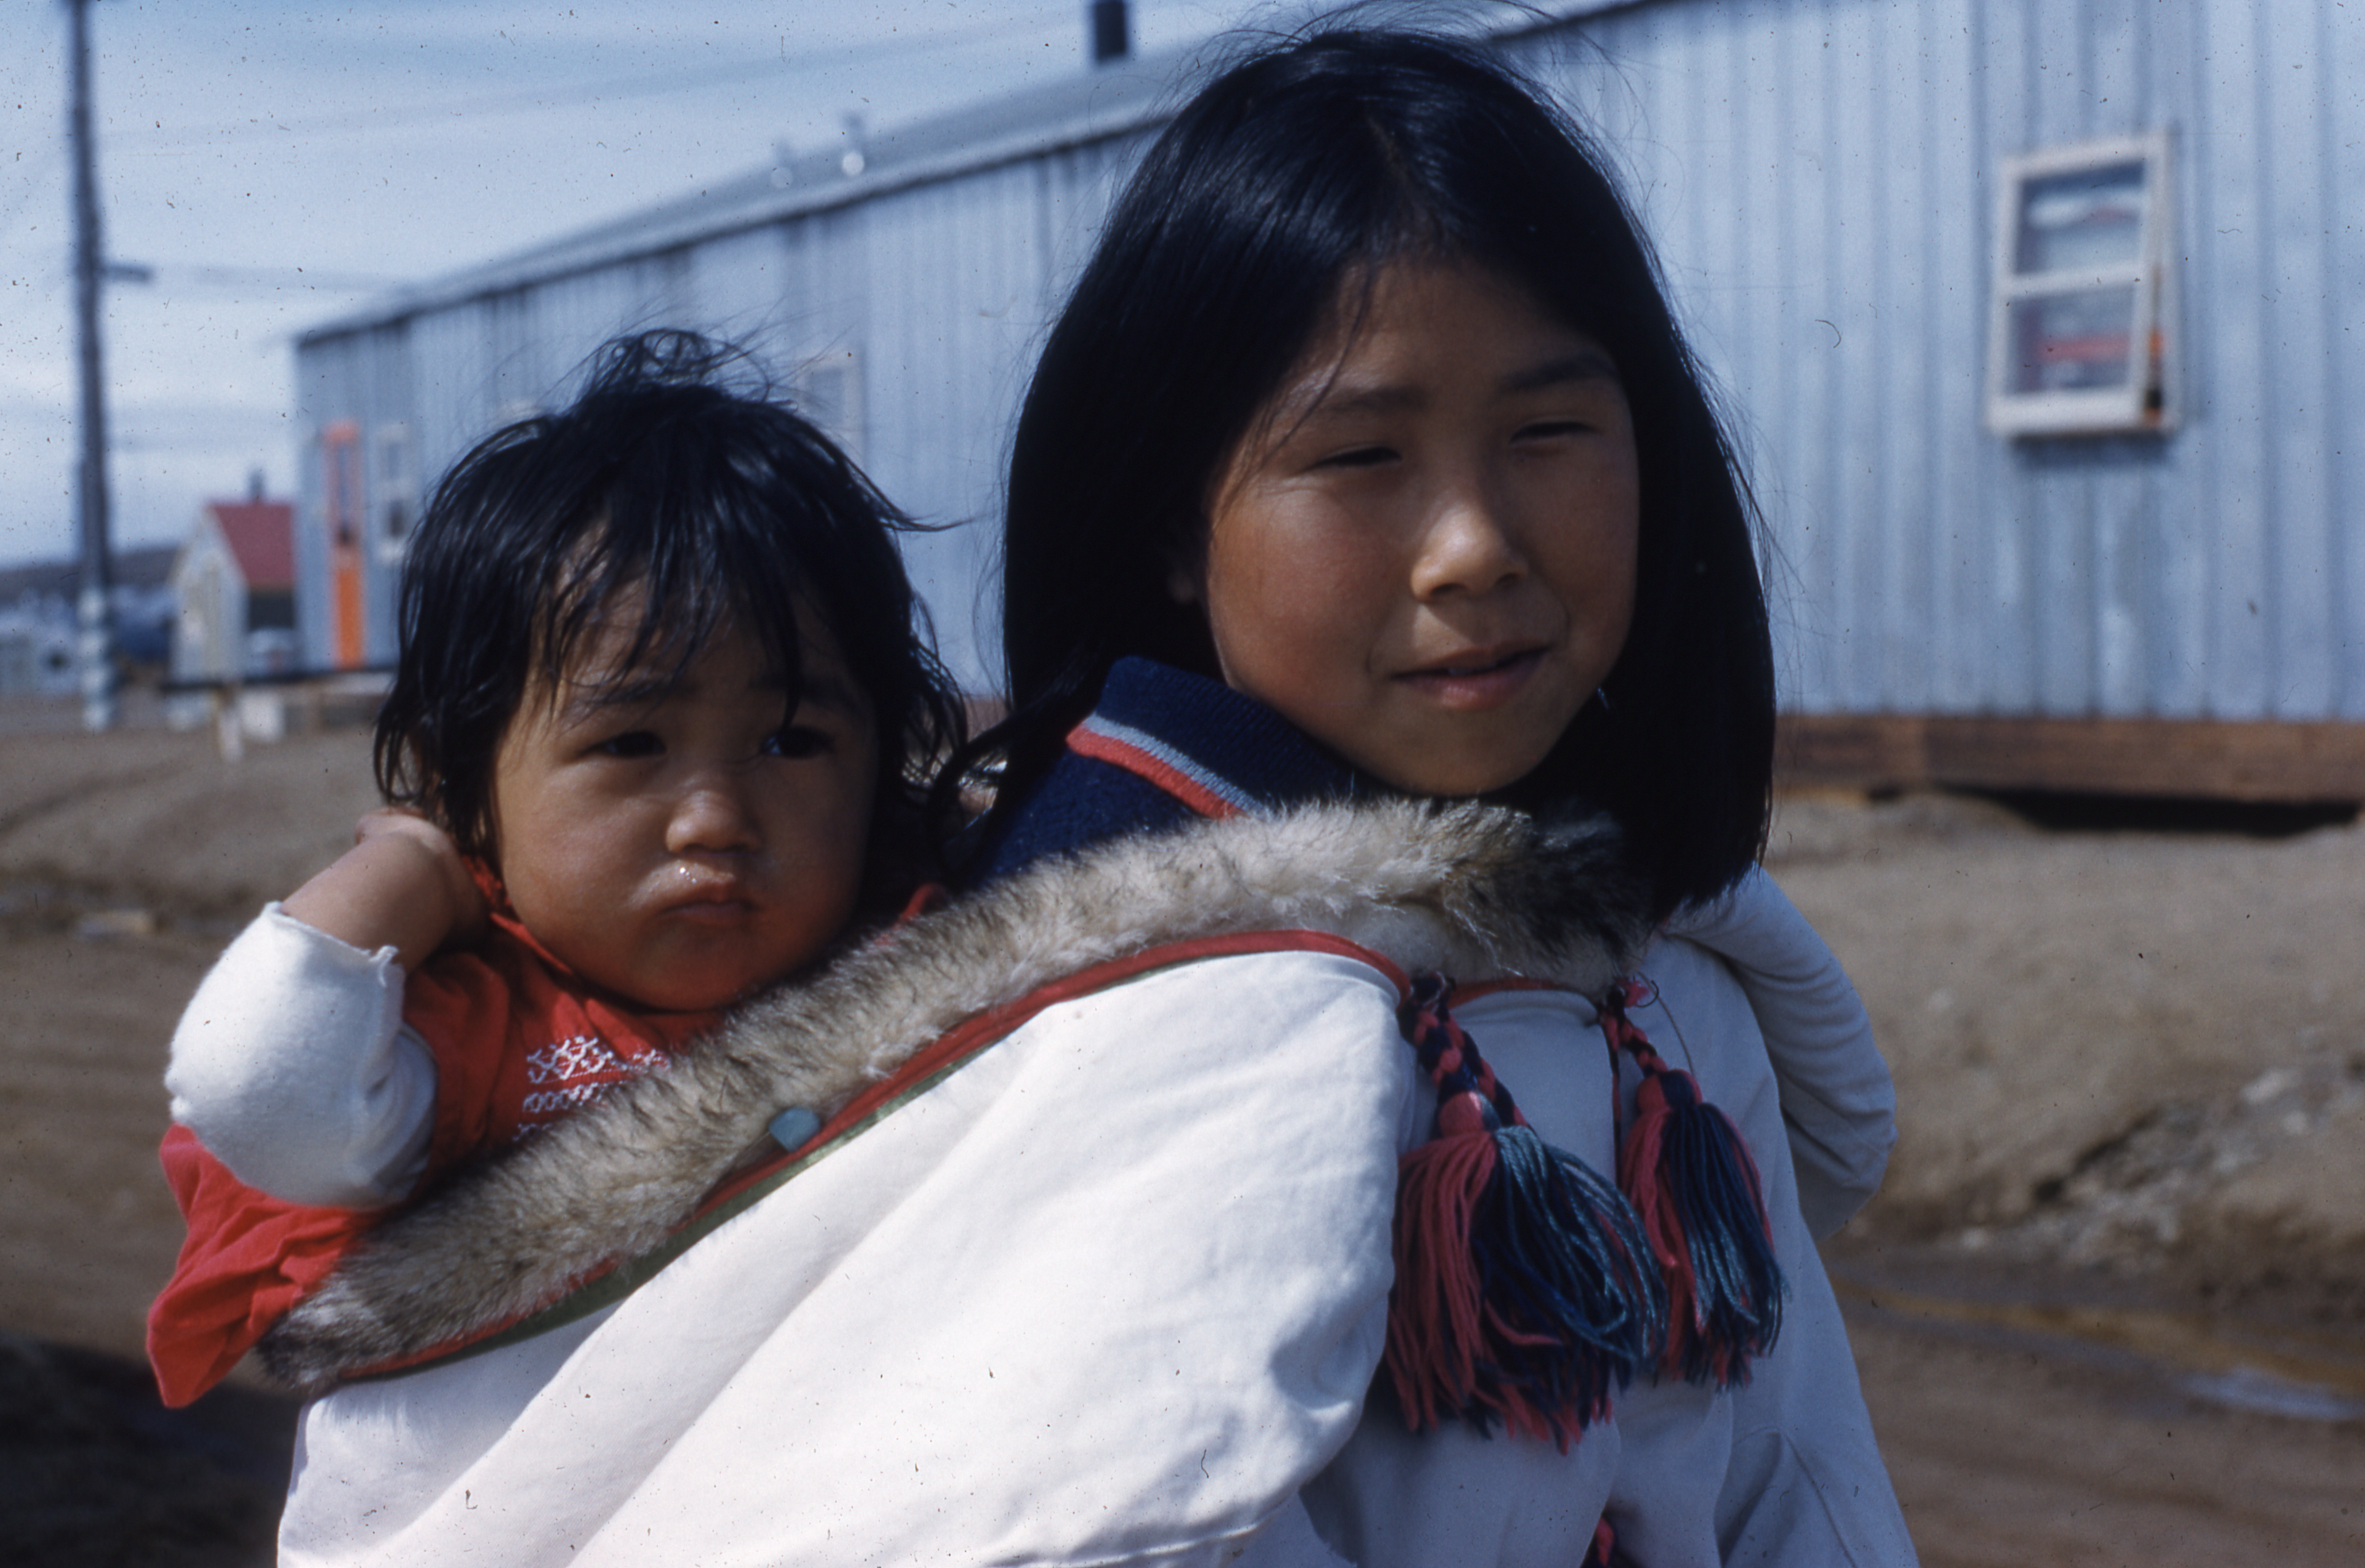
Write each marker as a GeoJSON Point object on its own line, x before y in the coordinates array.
{"type": "Point", "coordinates": [2109, 1308]}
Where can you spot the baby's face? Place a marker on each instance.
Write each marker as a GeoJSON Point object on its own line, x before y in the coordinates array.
{"type": "Point", "coordinates": [682, 849]}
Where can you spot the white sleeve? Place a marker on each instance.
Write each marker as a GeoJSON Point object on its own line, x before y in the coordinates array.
{"type": "Point", "coordinates": [1838, 1104]}
{"type": "Point", "coordinates": [1789, 1461]}
{"type": "Point", "coordinates": [293, 1066]}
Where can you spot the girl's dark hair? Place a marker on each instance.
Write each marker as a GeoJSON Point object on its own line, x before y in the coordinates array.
{"type": "Point", "coordinates": [1295, 175]}
{"type": "Point", "coordinates": [662, 493]}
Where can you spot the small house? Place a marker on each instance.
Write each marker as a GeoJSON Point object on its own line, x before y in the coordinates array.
{"type": "Point", "coordinates": [235, 581]}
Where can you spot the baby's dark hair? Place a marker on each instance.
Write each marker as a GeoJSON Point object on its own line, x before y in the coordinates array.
{"type": "Point", "coordinates": [665, 492]}
{"type": "Point", "coordinates": [1282, 189]}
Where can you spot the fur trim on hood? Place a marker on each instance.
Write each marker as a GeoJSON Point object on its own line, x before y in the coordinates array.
{"type": "Point", "coordinates": [1467, 890]}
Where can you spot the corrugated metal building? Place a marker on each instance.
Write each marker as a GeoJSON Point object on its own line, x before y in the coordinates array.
{"type": "Point", "coordinates": [2036, 316]}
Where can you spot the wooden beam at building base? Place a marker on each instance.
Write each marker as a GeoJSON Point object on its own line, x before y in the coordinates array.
{"type": "Point", "coordinates": [2197, 759]}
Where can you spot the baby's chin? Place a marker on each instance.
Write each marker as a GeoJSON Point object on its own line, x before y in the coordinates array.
{"type": "Point", "coordinates": [699, 993]}
{"type": "Point", "coordinates": [696, 971]}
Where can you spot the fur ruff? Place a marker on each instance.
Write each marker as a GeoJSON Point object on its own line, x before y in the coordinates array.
{"type": "Point", "coordinates": [1467, 890]}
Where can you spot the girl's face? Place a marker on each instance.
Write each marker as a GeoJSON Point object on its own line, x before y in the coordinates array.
{"type": "Point", "coordinates": [682, 846]}
{"type": "Point", "coordinates": [1423, 552]}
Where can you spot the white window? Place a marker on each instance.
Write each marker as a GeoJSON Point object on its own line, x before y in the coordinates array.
{"type": "Point", "coordinates": [828, 391]}
{"type": "Point", "coordinates": [2081, 340]}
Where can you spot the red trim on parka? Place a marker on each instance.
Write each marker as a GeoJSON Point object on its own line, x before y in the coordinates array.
{"type": "Point", "coordinates": [965, 1040]}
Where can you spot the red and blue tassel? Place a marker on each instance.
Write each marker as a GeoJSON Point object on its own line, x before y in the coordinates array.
{"type": "Point", "coordinates": [1687, 1171]}
{"type": "Point", "coordinates": [1523, 1288]}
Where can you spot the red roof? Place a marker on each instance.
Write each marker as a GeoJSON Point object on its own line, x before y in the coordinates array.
{"type": "Point", "coordinates": [262, 535]}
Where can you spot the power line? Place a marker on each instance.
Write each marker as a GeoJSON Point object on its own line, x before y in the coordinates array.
{"type": "Point", "coordinates": [571, 95]}
{"type": "Point", "coordinates": [190, 277]}
{"type": "Point", "coordinates": [36, 179]}
{"type": "Point", "coordinates": [213, 275]}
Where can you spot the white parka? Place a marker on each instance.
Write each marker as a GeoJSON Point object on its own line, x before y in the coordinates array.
{"type": "Point", "coordinates": [1115, 1289]}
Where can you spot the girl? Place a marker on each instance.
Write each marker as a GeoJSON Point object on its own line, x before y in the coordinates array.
{"type": "Point", "coordinates": [1366, 457]}
{"type": "Point", "coordinates": [652, 744]}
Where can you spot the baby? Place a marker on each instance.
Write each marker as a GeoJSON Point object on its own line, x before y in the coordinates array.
{"type": "Point", "coordinates": [657, 739]}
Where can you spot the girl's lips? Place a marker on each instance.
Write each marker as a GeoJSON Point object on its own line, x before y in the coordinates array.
{"type": "Point", "coordinates": [1480, 679]}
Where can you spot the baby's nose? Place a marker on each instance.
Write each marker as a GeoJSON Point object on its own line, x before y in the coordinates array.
{"type": "Point", "coordinates": [712, 816]}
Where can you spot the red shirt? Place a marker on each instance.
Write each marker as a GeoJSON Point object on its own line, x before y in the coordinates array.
{"type": "Point", "coordinates": [519, 1042]}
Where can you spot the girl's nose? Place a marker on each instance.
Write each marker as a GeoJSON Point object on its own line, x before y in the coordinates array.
{"type": "Point", "coordinates": [712, 816]}
{"type": "Point", "coordinates": [1468, 545]}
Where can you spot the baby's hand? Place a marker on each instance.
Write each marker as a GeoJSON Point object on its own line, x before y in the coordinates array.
{"type": "Point", "coordinates": [467, 903]}
{"type": "Point", "coordinates": [402, 885]}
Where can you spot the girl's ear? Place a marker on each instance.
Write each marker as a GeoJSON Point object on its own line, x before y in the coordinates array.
{"type": "Point", "coordinates": [1186, 570]}
{"type": "Point", "coordinates": [1186, 585]}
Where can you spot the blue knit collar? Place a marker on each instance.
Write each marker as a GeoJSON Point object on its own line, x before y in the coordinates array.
{"type": "Point", "coordinates": [1159, 748]}
{"type": "Point", "coordinates": [1234, 746]}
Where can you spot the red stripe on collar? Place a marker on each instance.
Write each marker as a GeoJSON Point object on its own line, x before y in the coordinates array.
{"type": "Point", "coordinates": [1134, 760]}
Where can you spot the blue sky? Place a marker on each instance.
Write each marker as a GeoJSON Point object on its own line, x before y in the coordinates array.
{"type": "Point", "coordinates": [278, 163]}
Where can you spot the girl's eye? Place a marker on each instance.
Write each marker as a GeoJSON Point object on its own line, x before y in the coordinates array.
{"type": "Point", "coordinates": [1359, 458]}
{"type": "Point", "coordinates": [632, 744]}
{"type": "Point", "coordinates": [1548, 430]}
{"type": "Point", "coordinates": [797, 742]}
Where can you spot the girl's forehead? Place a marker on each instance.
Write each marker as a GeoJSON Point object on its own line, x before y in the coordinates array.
{"type": "Point", "coordinates": [1393, 302]}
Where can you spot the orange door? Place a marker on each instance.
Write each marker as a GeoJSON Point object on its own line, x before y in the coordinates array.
{"type": "Point", "coordinates": [341, 491]}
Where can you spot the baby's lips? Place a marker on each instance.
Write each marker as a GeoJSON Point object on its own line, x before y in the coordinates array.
{"type": "Point", "coordinates": [697, 892]}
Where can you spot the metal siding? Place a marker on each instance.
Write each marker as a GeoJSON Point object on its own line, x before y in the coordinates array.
{"type": "Point", "coordinates": [2124, 487]}
{"type": "Point", "coordinates": [1818, 178]}
{"type": "Point", "coordinates": [1080, 186]}
{"type": "Point", "coordinates": [1861, 305]}
{"type": "Point", "coordinates": [577, 315]}
{"type": "Point", "coordinates": [2304, 629]}
{"type": "Point", "coordinates": [965, 337]}
{"type": "Point", "coordinates": [1765, 297]}
{"type": "Point", "coordinates": [2180, 523]}
{"type": "Point", "coordinates": [736, 289]}
{"type": "Point", "coordinates": [451, 352]}
{"type": "Point", "coordinates": [827, 299]}
{"type": "Point", "coordinates": [388, 402]}
{"type": "Point", "coordinates": [941, 291]}
{"type": "Point", "coordinates": [2052, 479]}
{"type": "Point", "coordinates": [1934, 567]}
{"type": "Point", "coordinates": [1805, 525]}
{"type": "Point", "coordinates": [320, 379]}
{"type": "Point", "coordinates": [1953, 236]}
{"type": "Point", "coordinates": [2007, 542]}
{"type": "Point", "coordinates": [959, 278]}
{"type": "Point", "coordinates": [2228, 327]}
{"type": "Point", "coordinates": [1907, 379]}
{"type": "Point", "coordinates": [2341, 126]}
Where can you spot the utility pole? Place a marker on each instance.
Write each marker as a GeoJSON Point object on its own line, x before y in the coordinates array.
{"type": "Point", "coordinates": [95, 644]}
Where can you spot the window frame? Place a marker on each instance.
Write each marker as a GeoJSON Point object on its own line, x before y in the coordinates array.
{"type": "Point", "coordinates": [394, 482]}
{"type": "Point", "coordinates": [2147, 400]}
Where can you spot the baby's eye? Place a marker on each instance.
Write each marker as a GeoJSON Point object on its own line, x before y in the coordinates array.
{"type": "Point", "coordinates": [632, 744]}
{"type": "Point", "coordinates": [797, 742]}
